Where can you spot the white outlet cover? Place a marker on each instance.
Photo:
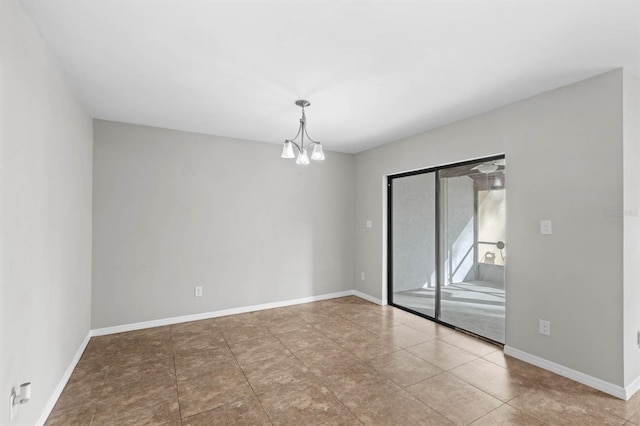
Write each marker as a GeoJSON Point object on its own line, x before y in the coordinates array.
{"type": "Point", "coordinates": [369, 224]}
{"type": "Point", "coordinates": [545, 327]}
{"type": "Point", "coordinates": [545, 227]}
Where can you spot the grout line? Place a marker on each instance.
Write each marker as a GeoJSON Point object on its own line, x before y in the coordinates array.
{"type": "Point", "coordinates": [255, 394]}
{"type": "Point", "coordinates": [175, 374]}
{"type": "Point", "coordinates": [104, 380]}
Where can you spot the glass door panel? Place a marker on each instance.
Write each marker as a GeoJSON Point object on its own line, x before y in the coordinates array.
{"type": "Point", "coordinates": [413, 248]}
{"type": "Point", "coordinates": [473, 249]}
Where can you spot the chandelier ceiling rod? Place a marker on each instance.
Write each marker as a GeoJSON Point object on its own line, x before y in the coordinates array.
{"type": "Point", "coordinates": [303, 156]}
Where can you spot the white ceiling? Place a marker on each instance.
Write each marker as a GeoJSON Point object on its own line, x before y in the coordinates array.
{"type": "Point", "coordinates": [374, 71]}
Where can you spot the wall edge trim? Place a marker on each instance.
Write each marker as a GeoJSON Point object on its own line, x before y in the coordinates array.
{"type": "Point", "coordinates": [578, 376]}
{"type": "Point", "coordinates": [46, 412]}
{"type": "Point", "coordinates": [632, 388]}
{"type": "Point", "coordinates": [369, 298]}
{"type": "Point", "coordinates": [214, 314]}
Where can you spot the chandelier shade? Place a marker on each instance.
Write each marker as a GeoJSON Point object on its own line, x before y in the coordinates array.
{"type": "Point", "coordinates": [305, 144]}
{"type": "Point", "coordinates": [287, 150]}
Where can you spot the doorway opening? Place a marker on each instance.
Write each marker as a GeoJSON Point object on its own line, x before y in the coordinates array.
{"type": "Point", "coordinates": [447, 244]}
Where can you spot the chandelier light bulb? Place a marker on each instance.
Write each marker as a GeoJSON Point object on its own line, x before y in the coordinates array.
{"type": "Point", "coordinates": [318, 152]}
{"type": "Point", "coordinates": [303, 158]}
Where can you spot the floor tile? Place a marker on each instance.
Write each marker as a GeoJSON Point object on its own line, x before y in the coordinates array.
{"type": "Point", "coordinates": [350, 311]}
{"type": "Point", "coordinates": [194, 326]}
{"type": "Point", "coordinates": [82, 392]}
{"type": "Point", "coordinates": [430, 328]}
{"type": "Point", "coordinates": [441, 354]}
{"type": "Point", "coordinates": [203, 362]}
{"type": "Point", "coordinates": [73, 415]}
{"type": "Point", "coordinates": [260, 349]}
{"type": "Point", "coordinates": [302, 339]}
{"type": "Point", "coordinates": [213, 390]}
{"type": "Point", "coordinates": [285, 325]}
{"type": "Point", "coordinates": [185, 342]}
{"type": "Point", "coordinates": [608, 403]}
{"type": "Point", "coordinates": [506, 415]}
{"type": "Point", "coordinates": [404, 368]}
{"type": "Point", "coordinates": [130, 401]}
{"type": "Point", "coordinates": [274, 315]}
{"type": "Point", "coordinates": [469, 344]}
{"type": "Point", "coordinates": [101, 346]}
{"type": "Point", "coordinates": [358, 384]}
{"type": "Point", "coordinates": [303, 403]}
{"type": "Point", "coordinates": [134, 355]}
{"type": "Point", "coordinates": [330, 359]}
{"type": "Point", "coordinates": [398, 408]}
{"type": "Point", "coordinates": [458, 401]}
{"type": "Point", "coordinates": [366, 345]}
{"type": "Point", "coordinates": [146, 339]}
{"type": "Point", "coordinates": [562, 408]}
{"type": "Point", "coordinates": [491, 378]}
{"type": "Point", "coordinates": [635, 419]}
{"type": "Point", "coordinates": [271, 373]}
{"type": "Point", "coordinates": [314, 317]}
{"type": "Point", "coordinates": [232, 321]}
{"type": "Point", "coordinates": [375, 323]}
{"type": "Point", "coordinates": [338, 328]}
{"type": "Point", "coordinates": [244, 412]}
{"type": "Point", "coordinates": [153, 369]}
{"type": "Point", "coordinates": [162, 413]}
{"type": "Point", "coordinates": [245, 333]}
{"type": "Point", "coordinates": [403, 336]}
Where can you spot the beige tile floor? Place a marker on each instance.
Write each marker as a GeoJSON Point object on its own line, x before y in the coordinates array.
{"type": "Point", "coordinates": [336, 362]}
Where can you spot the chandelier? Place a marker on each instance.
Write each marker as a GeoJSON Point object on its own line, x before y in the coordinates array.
{"type": "Point", "coordinates": [303, 156]}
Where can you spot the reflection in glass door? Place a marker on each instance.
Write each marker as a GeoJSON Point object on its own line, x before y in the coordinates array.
{"type": "Point", "coordinates": [447, 245]}
{"type": "Point", "coordinates": [413, 233]}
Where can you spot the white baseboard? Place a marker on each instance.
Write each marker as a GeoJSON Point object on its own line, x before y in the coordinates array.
{"type": "Point", "coordinates": [632, 388]}
{"type": "Point", "coordinates": [585, 379]}
{"type": "Point", "coordinates": [63, 382]}
{"type": "Point", "coordinates": [215, 314]}
{"type": "Point", "coordinates": [371, 299]}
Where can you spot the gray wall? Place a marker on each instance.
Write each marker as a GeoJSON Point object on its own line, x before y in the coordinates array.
{"type": "Point", "coordinates": [631, 103]}
{"type": "Point", "coordinates": [45, 216]}
{"type": "Point", "coordinates": [564, 151]}
{"type": "Point", "coordinates": [173, 210]}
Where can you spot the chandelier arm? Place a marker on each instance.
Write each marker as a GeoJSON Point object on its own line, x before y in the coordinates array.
{"type": "Point", "coordinates": [295, 144]}
{"type": "Point", "coordinates": [309, 137]}
{"type": "Point", "coordinates": [297, 134]}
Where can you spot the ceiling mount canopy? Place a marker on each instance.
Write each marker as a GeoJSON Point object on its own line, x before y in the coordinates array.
{"type": "Point", "coordinates": [303, 156]}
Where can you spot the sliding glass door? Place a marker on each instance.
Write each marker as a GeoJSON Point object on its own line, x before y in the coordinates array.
{"type": "Point", "coordinates": [447, 249]}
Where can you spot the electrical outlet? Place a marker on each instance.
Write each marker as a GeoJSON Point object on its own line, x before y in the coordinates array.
{"type": "Point", "coordinates": [369, 224]}
{"type": "Point", "coordinates": [362, 276]}
{"type": "Point", "coordinates": [545, 227]}
{"type": "Point", "coordinates": [545, 327]}
{"type": "Point", "coordinates": [197, 291]}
